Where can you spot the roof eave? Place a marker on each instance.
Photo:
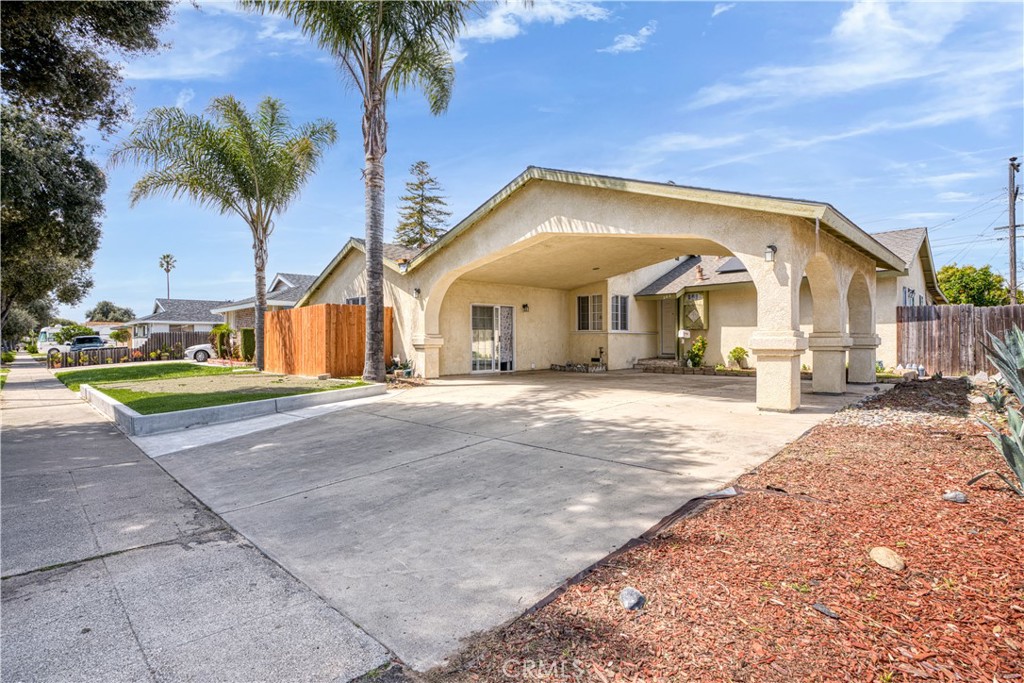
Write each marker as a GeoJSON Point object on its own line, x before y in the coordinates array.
{"type": "Point", "coordinates": [352, 243]}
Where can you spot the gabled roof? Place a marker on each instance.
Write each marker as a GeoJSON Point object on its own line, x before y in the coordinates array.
{"type": "Point", "coordinates": [182, 311]}
{"type": "Point", "coordinates": [829, 219]}
{"type": "Point", "coordinates": [704, 271]}
{"type": "Point", "coordinates": [393, 254]}
{"type": "Point", "coordinates": [912, 243]}
{"type": "Point", "coordinates": [295, 286]}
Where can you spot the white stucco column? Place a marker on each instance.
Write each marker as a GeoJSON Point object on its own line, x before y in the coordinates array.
{"type": "Point", "coordinates": [428, 355]}
{"type": "Point", "coordinates": [862, 358]}
{"type": "Point", "coordinates": [829, 353]}
{"type": "Point", "coordinates": [777, 354]}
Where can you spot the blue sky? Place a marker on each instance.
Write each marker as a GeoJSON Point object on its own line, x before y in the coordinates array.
{"type": "Point", "coordinates": [899, 115]}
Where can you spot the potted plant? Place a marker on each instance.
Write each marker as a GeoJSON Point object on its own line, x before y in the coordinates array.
{"type": "Point", "coordinates": [153, 355]}
{"type": "Point", "coordinates": [165, 353]}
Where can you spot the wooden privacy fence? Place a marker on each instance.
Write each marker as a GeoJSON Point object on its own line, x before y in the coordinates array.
{"type": "Point", "coordinates": [948, 339]}
{"type": "Point", "coordinates": [158, 341]}
{"type": "Point", "coordinates": [322, 339]}
{"type": "Point", "coordinates": [105, 356]}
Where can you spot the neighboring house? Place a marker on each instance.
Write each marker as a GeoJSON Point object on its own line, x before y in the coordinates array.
{"type": "Point", "coordinates": [547, 271]}
{"type": "Point", "coordinates": [284, 291]}
{"type": "Point", "coordinates": [177, 315]}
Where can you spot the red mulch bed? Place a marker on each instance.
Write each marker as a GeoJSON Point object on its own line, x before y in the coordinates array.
{"type": "Point", "coordinates": [730, 590]}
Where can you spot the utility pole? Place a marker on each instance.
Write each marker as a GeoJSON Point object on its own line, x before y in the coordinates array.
{"type": "Point", "coordinates": [1013, 189]}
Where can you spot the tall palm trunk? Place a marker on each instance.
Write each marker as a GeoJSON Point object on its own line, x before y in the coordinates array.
{"type": "Point", "coordinates": [374, 147]}
{"type": "Point", "coordinates": [168, 283]}
{"type": "Point", "coordinates": [259, 251]}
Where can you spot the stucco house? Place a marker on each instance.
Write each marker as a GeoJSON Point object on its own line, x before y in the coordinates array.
{"type": "Point", "coordinates": [564, 267]}
{"type": "Point", "coordinates": [284, 291]}
{"type": "Point", "coordinates": [177, 315]}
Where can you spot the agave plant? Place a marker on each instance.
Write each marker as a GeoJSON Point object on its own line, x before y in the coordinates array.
{"type": "Point", "coordinates": [1007, 355]}
{"type": "Point", "coordinates": [1011, 447]}
{"type": "Point", "coordinates": [997, 399]}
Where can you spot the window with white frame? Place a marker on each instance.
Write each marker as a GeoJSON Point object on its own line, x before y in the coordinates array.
{"type": "Point", "coordinates": [920, 300]}
{"type": "Point", "coordinates": [356, 301]}
{"type": "Point", "coordinates": [620, 313]}
{"type": "Point", "coordinates": [590, 313]}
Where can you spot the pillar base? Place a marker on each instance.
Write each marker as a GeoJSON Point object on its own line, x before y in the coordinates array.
{"type": "Point", "coordinates": [778, 368]}
{"type": "Point", "coordinates": [428, 355]}
{"type": "Point", "coordinates": [828, 350]}
{"type": "Point", "coordinates": [862, 358]}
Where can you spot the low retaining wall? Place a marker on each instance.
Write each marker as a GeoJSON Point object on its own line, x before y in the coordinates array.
{"type": "Point", "coordinates": [134, 423]}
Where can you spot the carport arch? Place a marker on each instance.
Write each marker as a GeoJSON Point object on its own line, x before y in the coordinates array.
{"type": "Point", "coordinates": [828, 340]}
{"type": "Point", "coordinates": [863, 339]}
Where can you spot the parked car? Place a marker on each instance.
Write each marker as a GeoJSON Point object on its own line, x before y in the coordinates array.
{"type": "Point", "coordinates": [200, 353]}
{"type": "Point", "coordinates": [86, 342]}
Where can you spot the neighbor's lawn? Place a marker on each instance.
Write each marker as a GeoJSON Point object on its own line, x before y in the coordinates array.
{"type": "Point", "coordinates": [149, 403]}
{"type": "Point", "coordinates": [3, 376]}
{"type": "Point", "coordinates": [136, 371]}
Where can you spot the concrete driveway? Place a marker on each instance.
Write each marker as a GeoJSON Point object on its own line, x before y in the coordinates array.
{"type": "Point", "coordinates": [449, 509]}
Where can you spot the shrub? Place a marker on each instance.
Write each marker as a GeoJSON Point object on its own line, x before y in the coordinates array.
{"type": "Point", "coordinates": [7, 356]}
{"type": "Point", "coordinates": [738, 356]}
{"type": "Point", "coordinates": [121, 336]}
{"type": "Point", "coordinates": [219, 337]}
{"type": "Point", "coordinates": [32, 347]}
{"type": "Point", "coordinates": [248, 343]}
{"type": "Point", "coordinates": [696, 353]}
{"type": "Point", "coordinates": [68, 332]}
{"type": "Point", "coordinates": [1007, 356]}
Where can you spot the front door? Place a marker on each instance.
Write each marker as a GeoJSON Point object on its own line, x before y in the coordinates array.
{"type": "Point", "coordinates": [492, 340]}
{"type": "Point", "coordinates": [669, 327]}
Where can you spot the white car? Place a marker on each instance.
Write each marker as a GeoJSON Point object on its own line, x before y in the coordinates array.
{"type": "Point", "coordinates": [200, 353]}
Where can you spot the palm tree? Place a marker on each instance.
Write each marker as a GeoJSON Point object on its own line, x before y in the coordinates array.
{"type": "Point", "coordinates": [167, 263]}
{"type": "Point", "coordinates": [382, 47]}
{"type": "Point", "coordinates": [251, 165]}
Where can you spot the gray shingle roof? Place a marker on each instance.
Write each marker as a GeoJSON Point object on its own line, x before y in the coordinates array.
{"type": "Point", "coordinates": [288, 294]}
{"type": "Point", "coordinates": [904, 243]}
{"type": "Point", "coordinates": [183, 311]}
{"type": "Point", "coordinates": [716, 270]}
{"type": "Point", "coordinates": [393, 252]}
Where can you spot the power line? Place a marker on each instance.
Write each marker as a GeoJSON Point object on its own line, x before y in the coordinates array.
{"type": "Point", "coordinates": [984, 230]}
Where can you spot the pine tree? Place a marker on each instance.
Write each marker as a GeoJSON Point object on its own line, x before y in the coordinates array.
{"type": "Point", "coordinates": [424, 210]}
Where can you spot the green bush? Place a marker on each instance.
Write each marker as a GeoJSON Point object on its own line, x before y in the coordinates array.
{"type": "Point", "coordinates": [738, 355]}
{"type": "Point", "coordinates": [68, 332]}
{"type": "Point", "coordinates": [32, 347]}
{"type": "Point", "coordinates": [7, 357]}
{"type": "Point", "coordinates": [248, 343]}
{"type": "Point", "coordinates": [696, 353]}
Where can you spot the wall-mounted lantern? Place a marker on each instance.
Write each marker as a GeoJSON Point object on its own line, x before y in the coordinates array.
{"type": "Point", "coordinates": [526, 308]}
{"type": "Point", "coordinates": [769, 253]}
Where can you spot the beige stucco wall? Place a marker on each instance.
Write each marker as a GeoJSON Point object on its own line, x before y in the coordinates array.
{"type": "Point", "coordinates": [641, 338]}
{"type": "Point", "coordinates": [540, 334]}
{"type": "Point", "coordinates": [582, 346]}
{"type": "Point", "coordinates": [890, 295]}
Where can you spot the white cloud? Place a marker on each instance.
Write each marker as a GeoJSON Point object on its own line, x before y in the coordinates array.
{"type": "Point", "coordinates": [272, 30]}
{"type": "Point", "coordinates": [683, 142]}
{"type": "Point", "coordinates": [631, 42]}
{"type": "Point", "coordinates": [722, 8]}
{"type": "Point", "coordinates": [504, 21]}
{"type": "Point", "coordinates": [871, 45]}
{"type": "Point", "coordinates": [957, 197]}
{"type": "Point", "coordinates": [194, 54]}
{"type": "Point", "coordinates": [185, 96]}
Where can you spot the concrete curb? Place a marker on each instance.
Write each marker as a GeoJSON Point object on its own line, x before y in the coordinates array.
{"type": "Point", "coordinates": [133, 423]}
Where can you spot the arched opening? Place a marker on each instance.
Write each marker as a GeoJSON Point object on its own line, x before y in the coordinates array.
{"type": "Point", "coordinates": [864, 341]}
{"type": "Point", "coordinates": [828, 341]}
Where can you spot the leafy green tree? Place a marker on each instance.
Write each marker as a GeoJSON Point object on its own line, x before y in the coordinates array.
{"type": "Point", "coordinates": [972, 285]}
{"type": "Point", "coordinates": [69, 332]}
{"type": "Point", "coordinates": [50, 207]}
{"type": "Point", "coordinates": [382, 48]}
{"type": "Point", "coordinates": [424, 211]}
{"type": "Point", "coordinates": [19, 323]}
{"type": "Point", "coordinates": [108, 311]}
{"type": "Point", "coordinates": [252, 165]}
{"type": "Point", "coordinates": [167, 263]}
{"type": "Point", "coordinates": [60, 321]}
{"type": "Point", "coordinates": [60, 59]}
{"type": "Point", "coordinates": [121, 336]}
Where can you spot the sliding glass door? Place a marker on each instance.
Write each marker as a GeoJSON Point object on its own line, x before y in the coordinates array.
{"type": "Point", "coordinates": [492, 339]}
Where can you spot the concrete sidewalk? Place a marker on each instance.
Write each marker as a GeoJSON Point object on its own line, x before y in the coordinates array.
{"type": "Point", "coordinates": [113, 571]}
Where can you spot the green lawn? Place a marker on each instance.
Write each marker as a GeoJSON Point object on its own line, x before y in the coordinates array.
{"type": "Point", "coordinates": [3, 376]}
{"type": "Point", "coordinates": [166, 402]}
{"type": "Point", "coordinates": [136, 371]}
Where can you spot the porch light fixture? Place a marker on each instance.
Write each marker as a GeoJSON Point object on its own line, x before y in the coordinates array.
{"type": "Point", "coordinates": [416, 293]}
{"type": "Point", "coordinates": [403, 265]}
{"type": "Point", "coordinates": [769, 253]}
{"type": "Point", "coordinates": [526, 308]}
